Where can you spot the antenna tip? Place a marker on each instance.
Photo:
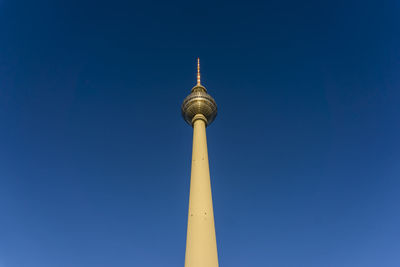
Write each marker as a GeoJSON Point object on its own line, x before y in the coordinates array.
{"type": "Point", "coordinates": [198, 71]}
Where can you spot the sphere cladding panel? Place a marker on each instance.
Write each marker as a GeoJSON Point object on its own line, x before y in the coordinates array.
{"type": "Point", "coordinates": [199, 103]}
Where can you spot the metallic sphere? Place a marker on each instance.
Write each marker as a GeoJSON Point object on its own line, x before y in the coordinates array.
{"type": "Point", "coordinates": [199, 102]}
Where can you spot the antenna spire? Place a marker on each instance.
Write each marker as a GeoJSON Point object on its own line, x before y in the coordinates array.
{"type": "Point", "coordinates": [198, 71]}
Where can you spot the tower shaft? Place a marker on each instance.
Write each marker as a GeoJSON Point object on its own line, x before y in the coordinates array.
{"type": "Point", "coordinates": [201, 245]}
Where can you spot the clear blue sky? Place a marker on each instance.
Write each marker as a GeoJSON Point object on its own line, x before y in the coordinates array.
{"type": "Point", "coordinates": [305, 151]}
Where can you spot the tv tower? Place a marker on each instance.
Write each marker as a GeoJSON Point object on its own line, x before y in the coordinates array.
{"type": "Point", "coordinates": [199, 110]}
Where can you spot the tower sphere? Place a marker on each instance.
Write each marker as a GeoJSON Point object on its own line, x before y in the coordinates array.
{"type": "Point", "coordinates": [199, 102]}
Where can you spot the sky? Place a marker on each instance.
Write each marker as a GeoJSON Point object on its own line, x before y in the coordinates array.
{"type": "Point", "coordinates": [304, 153]}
